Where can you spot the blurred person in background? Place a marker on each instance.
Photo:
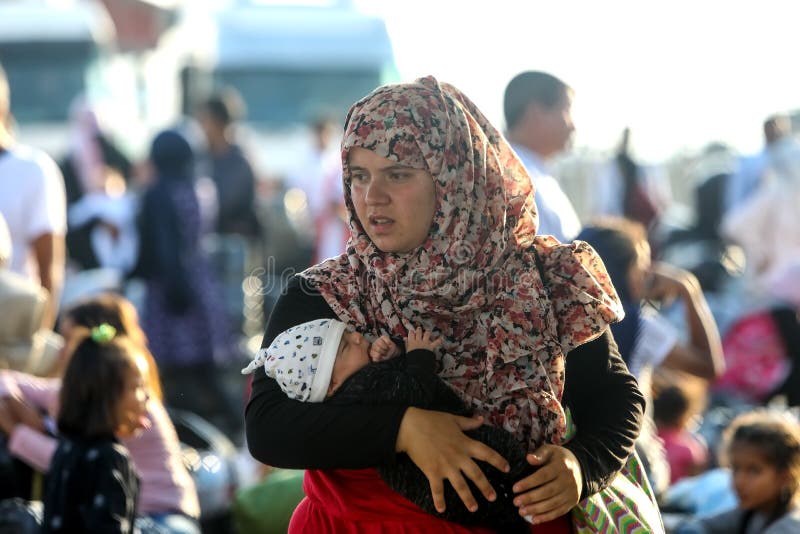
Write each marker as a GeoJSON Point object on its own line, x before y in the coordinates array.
{"type": "Point", "coordinates": [625, 189]}
{"type": "Point", "coordinates": [538, 114]}
{"type": "Point", "coordinates": [762, 449]}
{"type": "Point", "coordinates": [167, 492]}
{"type": "Point", "coordinates": [319, 176]}
{"type": "Point", "coordinates": [767, 224]}
{"type": "Point", "coordinates": [752, 169]}
{"type": "Point", "coordinates": [32, 200]}
{"type": "Point", "coordinates": [183, 315]}
{"type": "Point", "coordinates": [767, 227]}
{"type": "Point", "coordinates": [673, 411]}
{"type": "Point", "coordinates": [25, 345]}
{"type": "Point", "coordinates": [228, 166]}
{"type": "Point", "coordinates": [646, 339]}
{"type": "Point", "coordinates": [100, 212]}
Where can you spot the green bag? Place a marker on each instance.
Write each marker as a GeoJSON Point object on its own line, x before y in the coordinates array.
{"type": "Point", "coordinates": [267, 507]}
{"type": "Point", "coordinates": [626, 506]}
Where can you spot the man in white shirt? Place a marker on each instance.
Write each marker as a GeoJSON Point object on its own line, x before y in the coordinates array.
{"type": "Point", "coordinates": [537, 109]}
{"type": "Point", "coordinates": [33, 203]}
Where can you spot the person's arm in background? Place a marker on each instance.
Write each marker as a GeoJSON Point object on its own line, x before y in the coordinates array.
{"type": "Point", "coordinates": [49, 250]}
{"type": "Point", "coordinates": [48, 226]}
{"type": "Point", "coordinates": [702, 356]}
{"type": "Point", "coordinates": [22, 394]}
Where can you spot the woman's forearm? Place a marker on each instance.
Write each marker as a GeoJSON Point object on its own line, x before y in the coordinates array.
{"type": "Point", "coordinates": [607, 408]}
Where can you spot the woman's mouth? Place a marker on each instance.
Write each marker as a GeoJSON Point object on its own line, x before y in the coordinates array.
{"type": "Point", "coordinates": [380, 224]}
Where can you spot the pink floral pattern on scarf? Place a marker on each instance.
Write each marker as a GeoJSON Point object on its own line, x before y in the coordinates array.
{"type": "Point", "coordinates": [474, 280]}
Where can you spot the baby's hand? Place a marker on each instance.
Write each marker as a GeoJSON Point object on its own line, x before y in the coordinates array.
{"type": "Point", "coordinates": [383, 349]}
{"type": "Point", "coordinates": [417, 339]}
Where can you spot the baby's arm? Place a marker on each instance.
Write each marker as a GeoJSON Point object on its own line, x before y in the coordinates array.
{"type": "Point", "coordinates": [383, 349]}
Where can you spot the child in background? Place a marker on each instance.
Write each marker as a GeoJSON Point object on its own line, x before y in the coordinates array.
{"type": "Point", "coordinates": [92, 484]}
{"type": "Point", "coordinates": [672, 411]}
{"type": "Point", "coordinates": [320, 361]}
{"type": "Point", "coordinates": [763, 450]}
{"type": "Point", "coordinates": [167, 493]}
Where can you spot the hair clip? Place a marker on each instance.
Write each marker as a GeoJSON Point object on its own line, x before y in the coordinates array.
{"type": "Point", "coordinates": [103, 334]}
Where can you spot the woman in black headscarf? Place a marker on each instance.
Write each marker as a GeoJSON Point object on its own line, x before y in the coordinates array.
{"type": "Point", "coordinates": [182, 316]}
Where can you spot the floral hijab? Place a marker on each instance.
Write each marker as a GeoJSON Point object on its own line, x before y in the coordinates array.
{"type": "Point", "coordinates": [474, 280]}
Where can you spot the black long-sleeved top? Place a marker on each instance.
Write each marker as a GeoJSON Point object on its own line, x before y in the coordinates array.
{"type": "Point", "coordinates": [604, 398]}
{"type": "Point", "coordinates": [92, 486]}
{"type": "Point", "coordinates": [411, 380]}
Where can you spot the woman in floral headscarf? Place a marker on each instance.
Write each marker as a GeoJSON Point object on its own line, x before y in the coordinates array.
{"type": "Point", "coordinates": [443, 235]}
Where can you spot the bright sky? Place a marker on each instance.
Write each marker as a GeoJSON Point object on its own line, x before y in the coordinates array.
{"type": "Point", "coordinates": [681, 73]}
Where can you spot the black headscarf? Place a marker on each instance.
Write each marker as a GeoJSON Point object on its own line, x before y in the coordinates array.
{"type": "Point", "coordinates": [172, 156]}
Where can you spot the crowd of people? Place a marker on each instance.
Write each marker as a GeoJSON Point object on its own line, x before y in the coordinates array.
{"type": "Point", "coordinates": [464, 354]}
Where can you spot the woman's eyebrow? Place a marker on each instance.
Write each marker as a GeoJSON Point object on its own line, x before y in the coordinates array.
{"type": "Point", "coordinates": [396, 167]}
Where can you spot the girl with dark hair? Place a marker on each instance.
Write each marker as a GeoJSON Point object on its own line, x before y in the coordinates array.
{"type": "Point", "coordinates": [167, 496]}
{"type": "Point", "coordinates": [93, 485]}
{"type": "Point", "coordinates": [763, 450]}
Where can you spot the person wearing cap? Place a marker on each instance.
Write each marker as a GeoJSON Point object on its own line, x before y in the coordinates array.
{"type": "Point", "coordinates": [321, 361]}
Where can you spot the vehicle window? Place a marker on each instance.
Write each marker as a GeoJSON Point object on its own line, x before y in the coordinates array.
{"type": "Point", "coordinates": [45, 77]}
{"type": "Point", "coordinates": [278, 98]}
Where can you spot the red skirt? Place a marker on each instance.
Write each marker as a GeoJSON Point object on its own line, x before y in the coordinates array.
{"type": "Point", "coordinates": [360, 502]}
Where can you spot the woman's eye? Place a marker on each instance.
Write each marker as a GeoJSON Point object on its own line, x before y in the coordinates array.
{"type": "Point", "coordinates": [398, 176]}
{"type": "Point", "coordinates": [357, 178]}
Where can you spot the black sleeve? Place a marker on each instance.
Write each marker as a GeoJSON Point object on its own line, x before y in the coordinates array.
{"type": "Point", "coordinates": [607, 408]}
{"type": "Point", "coordinates": [421, 365]}
{"type": "Point", "coordinates": [287, 433]}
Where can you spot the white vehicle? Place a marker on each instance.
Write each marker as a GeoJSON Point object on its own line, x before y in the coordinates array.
{"type": "Point", "coordinates": [293, 63]}
{"type": "Point", "coordinates": [56, 51]}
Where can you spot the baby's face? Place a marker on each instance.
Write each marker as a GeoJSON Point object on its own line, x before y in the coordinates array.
{"type": "Point", "coordinates": [353, 354]}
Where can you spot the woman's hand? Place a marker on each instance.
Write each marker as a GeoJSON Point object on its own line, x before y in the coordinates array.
{"type": "Point", "coordinates": [436, 443]}
{"type": "Point", "coordinates": [554, 489]}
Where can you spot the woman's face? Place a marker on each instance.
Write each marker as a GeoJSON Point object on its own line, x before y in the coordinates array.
{"type": "Point", "coordinates": [132, 407]}
{"type": "Point", "coordinates": [757, 482]}
{"type": "Point", "coordinates": [394, 204]}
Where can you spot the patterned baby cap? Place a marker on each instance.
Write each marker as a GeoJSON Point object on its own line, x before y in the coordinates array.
{"type": "Point", "coordinates": [301, 359]}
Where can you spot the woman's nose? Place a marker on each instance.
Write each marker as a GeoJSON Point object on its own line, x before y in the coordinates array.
{"type": "Point", "coordinates": [376, 192]}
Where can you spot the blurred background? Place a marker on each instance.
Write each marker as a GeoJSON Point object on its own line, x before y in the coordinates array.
{"type": "Point", "coordinates": [261, 88]}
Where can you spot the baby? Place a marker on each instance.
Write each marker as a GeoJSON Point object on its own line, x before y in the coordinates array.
{"type": "Point", "coordinates": [320, 361]}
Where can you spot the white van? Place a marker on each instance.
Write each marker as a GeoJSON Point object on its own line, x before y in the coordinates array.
{"type": "Point", "coordinates": [293, 63]}
{"type": "Point", "coordinates": [54, 52]}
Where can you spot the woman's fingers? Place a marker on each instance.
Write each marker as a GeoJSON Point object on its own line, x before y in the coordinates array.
{"type": "Point", "coordinates": [547, 510]}
{"type": "Point", "coordinates": [478, 477]}
{"type": "Point", "coordinates": [554, 488]}
{"type": "Point", "coordinates": [436, 443]}
{"type": "Point", "coordinates": [437, 492]}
